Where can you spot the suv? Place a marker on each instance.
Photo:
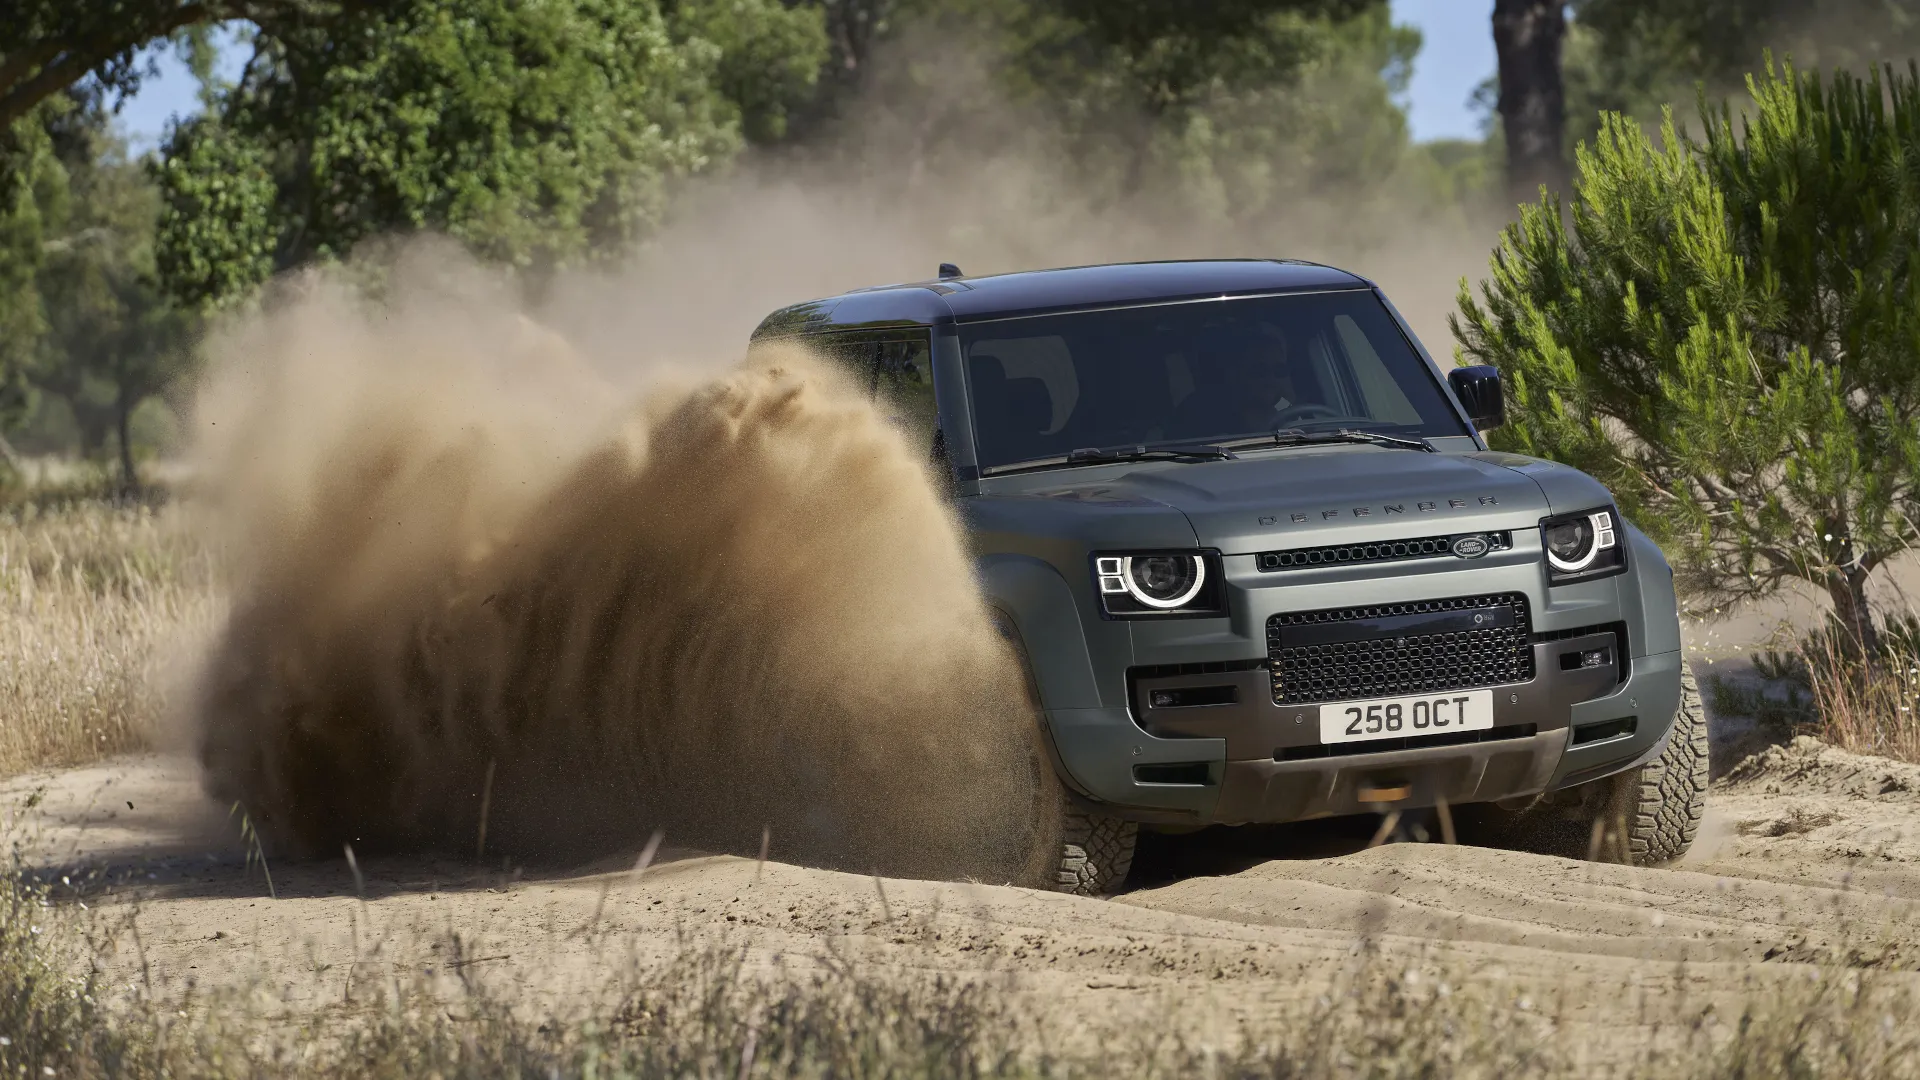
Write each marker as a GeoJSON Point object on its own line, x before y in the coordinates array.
{"type": "Point", "coordinates": [1262, 566]}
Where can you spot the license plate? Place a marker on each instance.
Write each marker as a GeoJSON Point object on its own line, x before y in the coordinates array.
{"type": "Point", "coordinates": [1400, 717]}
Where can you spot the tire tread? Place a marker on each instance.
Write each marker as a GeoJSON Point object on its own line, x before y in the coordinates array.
{"type": "Point", "coordinates": [1095, 853]}
{"type": "Point", "coordinates": [1667, 797]}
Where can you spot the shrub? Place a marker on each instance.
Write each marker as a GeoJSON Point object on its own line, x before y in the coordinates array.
{"type": "Point", "coordinates": [1727, 333]}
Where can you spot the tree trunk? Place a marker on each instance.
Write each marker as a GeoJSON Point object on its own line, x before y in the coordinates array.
{"type": "Point", "coordinates": [1848, 591]}
{"type": "Point", "coordinates": [123, 426]}
{"type": "Point", "coordinates": [95, 422]}
{"type": "Point", "coordinates": [1533, 108]}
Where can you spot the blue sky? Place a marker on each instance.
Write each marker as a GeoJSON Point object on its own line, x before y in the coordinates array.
{"type": "Point", "coordinates": [1456, 56]}
{"type": "Point", "coordinates": [170, 94]}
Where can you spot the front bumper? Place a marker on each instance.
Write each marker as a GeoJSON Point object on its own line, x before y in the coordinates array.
{"type": "Point", "coordinates": [1249, 760]}
{"type": "Point", "coordinates": [1254, 761]}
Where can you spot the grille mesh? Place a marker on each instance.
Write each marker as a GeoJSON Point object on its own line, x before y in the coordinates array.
{"type": "Point", "coordinates": [1424, 547]}
{"type": "Point", "coordinates": [1390, 663]}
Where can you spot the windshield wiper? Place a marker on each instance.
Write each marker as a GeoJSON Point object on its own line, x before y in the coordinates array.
{"type": "Point", "coordinates": [1300, 437]}
{"type": "Point", "coordinates": [1152, 452]}
{"type": "Point", "coordinates": [1216, 450]}
{"type": "Point", "coordinates": [1107, 455]}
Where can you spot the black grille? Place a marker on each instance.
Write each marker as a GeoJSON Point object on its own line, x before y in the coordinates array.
{"type": "Point", "coordinates": [1425, 547]}
{"type": "Point", "coordinates": [1390, 649]}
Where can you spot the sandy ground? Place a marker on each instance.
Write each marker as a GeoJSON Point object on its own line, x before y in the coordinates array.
{"type": "Point", "coordinates": [1811, 857]}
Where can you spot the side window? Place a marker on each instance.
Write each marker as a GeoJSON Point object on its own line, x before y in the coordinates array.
{"type": "Point", "coordinates": [896, 368]}
{"type": "Point", "coordinates": [902, 382]}
{"type": "Point", "coordinates": [844, 351]}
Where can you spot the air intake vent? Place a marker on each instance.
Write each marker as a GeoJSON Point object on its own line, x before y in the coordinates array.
{"type": "Point", "coordinates": [1425, 547]}
{"type": "Point", "coordinates": [1195, 774]}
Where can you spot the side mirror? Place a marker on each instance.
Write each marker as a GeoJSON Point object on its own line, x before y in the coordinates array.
{"type": "Point", "coordinates": [1478, 389]}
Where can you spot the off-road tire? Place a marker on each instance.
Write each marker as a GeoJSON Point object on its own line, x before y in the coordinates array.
{"type": "Point", "coordinates": [1646, 815]}
{"type": "Point", "coordinates": [1072, 851]}
{"type": "Point", "coordinates": [1661, 803]}
{"type": "Point", "coordinates": [1095, 852]}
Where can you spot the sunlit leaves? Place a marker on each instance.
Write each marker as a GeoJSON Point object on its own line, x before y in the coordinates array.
{"type": "Point", "coordinates": [1727, 331]}
{"type": "Point", "coordinates": [539, 134]}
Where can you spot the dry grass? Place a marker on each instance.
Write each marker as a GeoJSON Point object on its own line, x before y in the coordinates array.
{"type": "Point", "coordinates": [1825, 685]}
{"type": "Point", "coordinates": [1870, 711]}
{"type": "Point", "coordinates": [1867, 704]}
{"type": "Point", "coordinates": [100, 605]}
{"type": "Point", "coordinates": [709, 1012]}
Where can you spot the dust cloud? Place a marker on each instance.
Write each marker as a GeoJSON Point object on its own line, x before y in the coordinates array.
{"type": "Point", "coordinates": [564, 537]}
{"type": "Point", "coordinates": [478, 587]}
{"type": "Point", "coordinates": [934, 163]}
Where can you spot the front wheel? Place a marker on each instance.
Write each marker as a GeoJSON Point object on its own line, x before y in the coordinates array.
{"type": "Point", "coordinates": [1070, 850]}
{"type": "Point", "coordinates": [1644, 816]}
{"type": "Point", "coordinates": [1658, 806]}
{"type": "Point", "coordinates": [1095, 852]}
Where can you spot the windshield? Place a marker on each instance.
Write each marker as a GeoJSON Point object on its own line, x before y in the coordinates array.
{"type": "Point", "coordinates": [1192, 372]}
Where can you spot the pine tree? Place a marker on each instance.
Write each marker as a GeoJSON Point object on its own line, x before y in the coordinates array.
{"type": "Point", "coordinates": [1727, 332]}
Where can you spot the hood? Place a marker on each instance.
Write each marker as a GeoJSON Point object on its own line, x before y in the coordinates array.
{"type": "Point", "coordinates": [1305, 498]}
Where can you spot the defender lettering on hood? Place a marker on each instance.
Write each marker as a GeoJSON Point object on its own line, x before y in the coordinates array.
{"type": "Point", "coordinates": [1240, 506]}
{"type": "Point", "coordinates": [1425, 506]}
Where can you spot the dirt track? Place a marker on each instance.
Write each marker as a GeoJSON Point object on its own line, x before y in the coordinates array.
{"type": "Point", "coordinates": [1811, 856]}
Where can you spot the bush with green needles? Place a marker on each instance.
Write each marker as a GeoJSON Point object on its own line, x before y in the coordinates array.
{"type": "Point", "coordinates": [1726, 331]}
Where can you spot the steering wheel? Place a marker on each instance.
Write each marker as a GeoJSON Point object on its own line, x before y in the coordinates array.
{"type": "Point", "coordinates": [1304, 411]}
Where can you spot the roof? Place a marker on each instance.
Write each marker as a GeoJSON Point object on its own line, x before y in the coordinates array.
{"type": "Point", "coordinates": [1036, 292]}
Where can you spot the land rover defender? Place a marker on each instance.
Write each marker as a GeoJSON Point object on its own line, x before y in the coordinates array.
{"type": "Point", "coordinates": [1262, 566]}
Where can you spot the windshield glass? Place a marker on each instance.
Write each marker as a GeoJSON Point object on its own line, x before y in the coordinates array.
{"type": "Point", "coordinates": [1042, 387]}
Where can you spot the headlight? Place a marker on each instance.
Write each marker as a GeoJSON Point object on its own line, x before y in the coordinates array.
{"type": "Point", "coordinates": [1157, 583]}
{"type": "Point", "coordinates": [1582, 546]}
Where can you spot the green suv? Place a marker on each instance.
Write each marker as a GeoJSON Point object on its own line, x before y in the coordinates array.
{"type": "Point", "coordinates": [1262, 566]}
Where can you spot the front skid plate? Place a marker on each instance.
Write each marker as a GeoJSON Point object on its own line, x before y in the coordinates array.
{"type": "Point", "coordinates": [1265, 791]}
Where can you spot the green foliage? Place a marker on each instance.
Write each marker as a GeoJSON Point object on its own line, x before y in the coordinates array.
{"type": "Point", "coordinates": [1635, 56]}
{"type": "Point", "coordinates": [33, 190]}
{"type": "Point", "coordinates": [1263, 142]}
{"type": "Point", "coordinates": [1214, 114]}
{"type": "Point", "coordinates": [82, 315]}
{"type": "Point", "coordinates": [538, 134]}
{"type": "Point", "coordinates": [1728, 334]}
{"type": "Point", "coordinates": [547, 134]}
{"type": "Point", "coordinates": [47, 47]}
{"type": "Point", "coordinates": [770, 56]}
{"type": "Point", "coordinates": [114, 339]}
{"type": "Point", "coordinates": [215, 235]}
{"type": "Point", "coordinates": [1457, 172]}
{"type": "Point", "coordinates": [1157, 55]}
